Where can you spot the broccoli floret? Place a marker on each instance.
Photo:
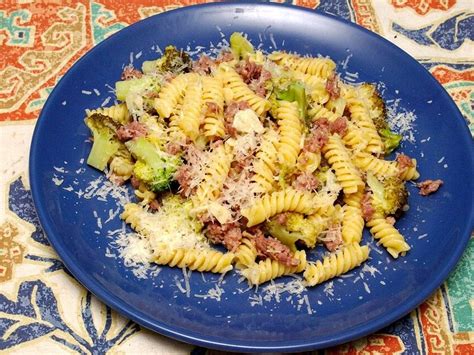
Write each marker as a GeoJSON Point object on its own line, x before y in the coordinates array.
{"type": "Point", "coordinates": [389, 196]}
{"type": "Point", "coordinates": [105, 143]}
{"type": "Point", "coordinates": [174, 60]}
{"type": "Point", "coordinates": [240, 46]}
{"type": "Point", "coordinates": [295, 92]}
{"type": "Point", "coordinates": [296, 228]}
{"type": "Point", "coordinates": [390, 140]}
{"type": "Point", "coordinates": [154, 167]}
{"type": "Point", "coordinates": [124, 87]}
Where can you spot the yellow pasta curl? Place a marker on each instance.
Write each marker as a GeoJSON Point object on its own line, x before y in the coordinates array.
{"type": "Point", "coordinates": [321, 67]}
{"type": "Point", "coordinates": [240, 91]}
{"type": "Point", "coordinates": [191, 111]}
{"type": "Point", "coordinates": [319, 111]}
{"type": "Point", "coordinates": [352, 221]}
{"type": "Point", "coordinates": [379, 167]}
{"type": "Point", "coordinates": [269, 269]}
{"type": "Point", "coordinates": [170, 95]}
{"type": "Point", "coordinates": [213, 98]}
{"type": "Point", "coordinates": [201, 260]}
{"type": "Point", "coordinates": [264, 166]}
{"type": "Point", "coordinates": [345, 259]}
{"type": "Point", "coordinates": [355, 138]}
{"type": "Point", "coordinates": [288, 200]}
{"type": "Point", "coordinates": [121, 165]}
{"type": "Point", "coordinates": [290, 130]}
{"type": "Point", "coordinates": [118, 113]}
{"type": "Point", "coordinates": [338, 157]}
{"type": "Point", "coordinates": [361, 116]}
{"type": "Point", "coordinates": [315, 86]}
{"type": "Point", "coordinates": [131, 215]}
{"type": "Point", "coordinates": [387, 235]}
{"type": "Point", "coordinates": [308, 162]}
{"type": "Point", "coordinates": [246, 252]}
{"type": "Point", "coordinates": [215, 175]}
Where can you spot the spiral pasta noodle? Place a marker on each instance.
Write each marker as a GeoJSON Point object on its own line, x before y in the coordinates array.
{"type": "Point", "coordinates": [346, 173]}
{"type": "Point", "coordinates": [352, 221]}
{"type": "Point", "coordinates": [118, 113]}
{"type": "Point", "coordinates": [278, 202]}
{"type": "Point", "coordinates": [200, 260]}
{"type": "Point", "coordinates": [269, 269]}
{"type": "Point", "coordinates": [345, 259]}
{"type": "Point", "coordinates": [132, 215]}
{"type": "Point", "coordinates": [246, 253]}
{"type": "Point", "coordinates": [265, 163]}
{"type": "Point", "coordinates": [215, 175]}
{"type": "Point", "coordinates": [240, 91]}
{"type": "Point", "coordinates": [121, 165]}
{"type": "Point", "coordinates": [361, 116]}
{"type": "Point", "coordinates": [355, 138]}
{"type": "Point", "coordinates": [170, 95]}
{"type": "Point", "coordinates": [213, 99]}
{"type": "Point", "coordinates": [308, 161]}
{"type": "Point", "coordinates": [190, 115]}
{"type": "Point", "coordinates": [319, 111]}
{"type": "Point", "coordinates": [387, 235]}
{"type": "Point", "coordinates": [290, 130]}
{"type": "Point", "coordinates": [315, 86]}
{"type": "Point", "coordinates": [379, 167]}
{"type": "Point", "coordinates": [321, 67]}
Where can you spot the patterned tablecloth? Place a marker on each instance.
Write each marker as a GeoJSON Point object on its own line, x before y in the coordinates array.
{"type": "Point", "coordinates": [44, 310]}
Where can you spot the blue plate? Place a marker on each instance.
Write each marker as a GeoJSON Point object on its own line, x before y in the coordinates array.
{"type": "Point", "coordinates": [437, 227]}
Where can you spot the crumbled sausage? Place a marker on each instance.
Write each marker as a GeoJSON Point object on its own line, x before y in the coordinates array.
{"type": "Point", "coordinates": [333, 238]}
{"type": "Point", "coordinates": [184, 177]}
{"type": "Point", "coordinates": [367, 208]}
{"type": "Point", "coordinates": [204, 65]}
{"type": "Point", "coordinates": [173, 148]}
{"type": "Point", "coordinates": [427, 187]}
{"type": "Point", "coordinates": [131, 130]}
{"type": "Point", "coordinates": [130, 72]}
{"type": "Point", "coordinates": [274, 249]}
{"type": "Point", "coordinates": [339, 126]}
{"type": "Point", "coordinates": [306, 182]}
{"type": "Point", "coordinates": [404, 161]}
{"type": "Point", "coordinates": [228, 234]}
{"type": "Point", "coordinates": [332, 87]}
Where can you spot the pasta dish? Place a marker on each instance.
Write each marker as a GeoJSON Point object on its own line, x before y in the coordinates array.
{"type": "Point", "coordinates": [250, 160]}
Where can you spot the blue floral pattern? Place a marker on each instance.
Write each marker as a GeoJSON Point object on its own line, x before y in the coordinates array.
{"type": "Point", "coordinates": [35, 314]}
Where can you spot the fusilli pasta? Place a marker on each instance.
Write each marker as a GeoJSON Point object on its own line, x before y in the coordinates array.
{"type": "Point", "coordinates": [268, 269]}
{"type": "Point", "coordinates": [345, 259]}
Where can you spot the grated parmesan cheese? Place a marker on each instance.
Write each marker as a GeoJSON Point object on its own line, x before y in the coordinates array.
{"type": "Point", "coordinates": [401, 121]}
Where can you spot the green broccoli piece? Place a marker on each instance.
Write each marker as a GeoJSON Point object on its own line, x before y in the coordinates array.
{"type": "Point", "coordinates": [105, 143]}
{"type": "Point", "coordinates": [154, 167]}
{"type": "Point", "coordinates": [295, 92]}
{"type": "Point", "coordinates": [173, 60]}
{"type": "Point", "coordinates": [240, 46]}
{"type": "Point", "coordinates": [124, 87]}
{"type": "Point", "coordinates": [296, 228]}
{"type": "Point", "coordinates": [389, 196]}
{"type": "Point", "coordinates": [390, 140]}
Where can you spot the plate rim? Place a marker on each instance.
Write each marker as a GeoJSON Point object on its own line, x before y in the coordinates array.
{"type": "Point", "coordinates": [120, 306]}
